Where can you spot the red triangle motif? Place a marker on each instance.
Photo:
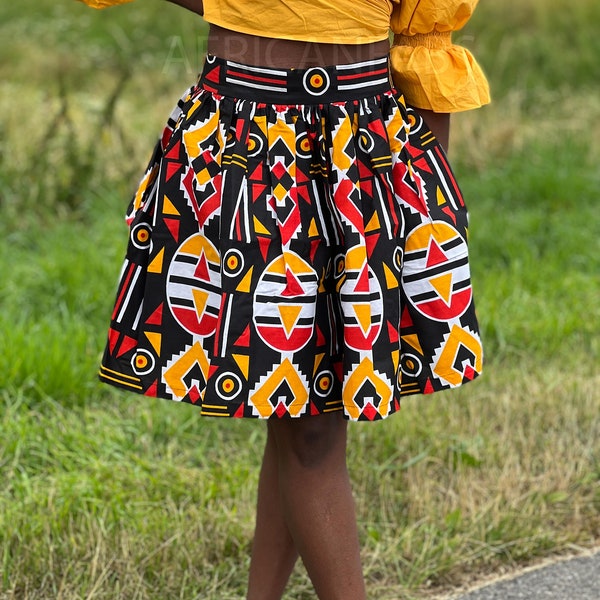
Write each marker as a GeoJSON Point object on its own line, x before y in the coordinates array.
{"type": "Point", "coordinates": [263, 244]}
{"type": "Point", "coordinates": [314, 246]}
{"type": "Point", "coordinates": [193, 394]}
{"type": "Point", "coordinates": [212, 370]}
{"type": "Point", "coordinates": [422, 165]}
{"type": "Point", "coordinates": [214, 74]}
{"type": "Point", "coordinates": [292, 286]}
{"type": "Point", "coordinates": [449, 212]}
{"type": "Point", "coordinates": [166, 137]}
{"type": "Point", "coordinates": [172, 168]}
{"type": "Point", "coordinates": [378, 128]}
{"type": "Point", "coordinates": [201, 271]}
{"type": "Point", "coordinates": [244, 339]}
{"type": "Point", "coordinates": [173, 153]}
{"type": "Point", "coordinates": [338, 367]}
{"type": "Point", "coordinates": [156, 317]}
{"type": "Point", "coordinates": [435, 255]}
{"type": "Point", "coordinates": [257, 190]}
{"type": "Point", "coordinates": [469, 373]}
{"type": "Point", "coordinates": [364, 172]}
{"type": "Point", "coordinates": [152, 390]}
{"type": "Point", "coordinates": [126, 345]}
{"type": "Point", "coordinates": [413, 150]}
{"type": "Point", "coordinates": [173, 226]}
{"type": "Point", "coordinates": [371, 243]}
{"type": "Point", "coordinates": [406, 320]}
{"type": "Point", "coordinates": [113, 336]}
{"type": "Point", "coordinates": [257, 173]}
{"type": "Point", "coordinates": [366, 186]}
{"type": "Point", "coordinates": [239, 413]}
{"type": "Point", "coordinates": [320, 337]}
{"type": "Point", "coordinates": [428, 389]}
{"type": "Point", "coordinates": [302, 192]}
{"type": "Point", "coordinates": [301, 177]}
{"type": "Point", "coordinates": [362, 283]}
{"type": "Point", "coordinates": [392, 333]}
{"type": "Point", "coordinates": [313, 409]}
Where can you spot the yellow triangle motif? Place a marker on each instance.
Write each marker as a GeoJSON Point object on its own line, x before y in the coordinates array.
{"type": "Point", "coordinates": [443, 286]}
{"type": "Point", "coordinates": [390, 278]}
{"type": "Point", "coordinates": [244, 284]}
{"type": "Point", "coordinates": [312, 230]}
{"type": "Point", "coordinates": [157, 262]}
{"type": "Point", "coordinates": [200, 300]}
{"type": "Point", "coordinates": [289, 315]}
{"type": "Point", "coordinates": [318, 359]}
{"type": "Point", "coordinates": [155, 339]}
{"type": "Point", "coordinates": [441, 199]}
{"type": "Point", "coordinates": [413, 340]}
{"type": "Point", "coordinates": [242, 362]}
{"type": "Point", "coordinates": [395, 358]}
{"type": "Point", "coordinates": [168, 207]}
{"type": "Point", "coordinates": [373, 223]}
{"type": "Point", "coordinates": [260, 228]}
{"type": "Point", "coordinates": [363, 314]}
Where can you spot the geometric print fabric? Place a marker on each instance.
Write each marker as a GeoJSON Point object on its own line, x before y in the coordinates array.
{"type": "Point", "coordinates": [296, 257]}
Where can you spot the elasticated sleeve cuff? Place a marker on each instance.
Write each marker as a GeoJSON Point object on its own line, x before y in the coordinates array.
{"type": "Point", "coordinates": [435, 74]}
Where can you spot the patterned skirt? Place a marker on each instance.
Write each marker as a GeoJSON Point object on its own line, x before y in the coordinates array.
{"type": "Point", "coordinates": [297, 245]}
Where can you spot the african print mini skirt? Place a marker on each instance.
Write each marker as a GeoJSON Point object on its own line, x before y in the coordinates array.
{"type": "Point", "coordinates": [297, 245]}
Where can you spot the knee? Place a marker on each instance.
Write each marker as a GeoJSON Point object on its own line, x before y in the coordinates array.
{"type": "Point", "coordinates": [310, 442]}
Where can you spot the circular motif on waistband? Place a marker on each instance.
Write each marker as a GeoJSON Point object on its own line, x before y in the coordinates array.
{"type": "Point", "coordinates": [228, 386]}
{"type": "Point", "coordinates": [140, 236]}
{"type": "Point", "coordinates": [142, 362]}
{"type": "Point", "coordinates": [316, 81]}
{"type": "Point", "coordinates": [233, 263]}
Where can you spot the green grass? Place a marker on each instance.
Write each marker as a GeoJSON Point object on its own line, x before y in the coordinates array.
{"type": "Point", "coordinates": [109, 496]}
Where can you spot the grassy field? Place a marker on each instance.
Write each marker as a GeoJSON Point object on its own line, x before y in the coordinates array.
{"type": "Point", "coordinates": [108, 496]}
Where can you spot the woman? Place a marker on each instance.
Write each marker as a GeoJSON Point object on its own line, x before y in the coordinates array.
{"type": "Point", "coordinates": [298, 249]}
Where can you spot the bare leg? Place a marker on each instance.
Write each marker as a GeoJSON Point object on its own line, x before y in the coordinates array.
{"type": "Point", "coordinates": [317, 503]}
{"type": "Point", "coordinates": [273, 550]}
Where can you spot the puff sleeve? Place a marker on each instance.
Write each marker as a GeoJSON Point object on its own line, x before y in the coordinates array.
{"type": "Point", "coordinates": [103, 3]}
{"type": "Point", "coordinates": [431, 71]}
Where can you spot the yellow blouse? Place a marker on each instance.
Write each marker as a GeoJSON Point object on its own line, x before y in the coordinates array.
{"type": "Point", "coordinates": [431, 71]}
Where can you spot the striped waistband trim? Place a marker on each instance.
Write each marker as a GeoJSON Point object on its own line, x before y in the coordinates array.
{"type": "Point", "coordinates": [314, 85]}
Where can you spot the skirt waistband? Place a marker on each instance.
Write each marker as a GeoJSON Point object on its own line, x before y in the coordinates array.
{"type": "Point", "coordinates": [314, 85]}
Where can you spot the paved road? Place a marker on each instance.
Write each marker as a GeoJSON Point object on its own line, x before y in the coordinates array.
{"type": "Point", "coordinates": [574, 579]}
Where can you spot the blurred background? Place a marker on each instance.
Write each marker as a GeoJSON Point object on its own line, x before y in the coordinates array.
{"type": "Point", "coordinates": [105, 495]}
